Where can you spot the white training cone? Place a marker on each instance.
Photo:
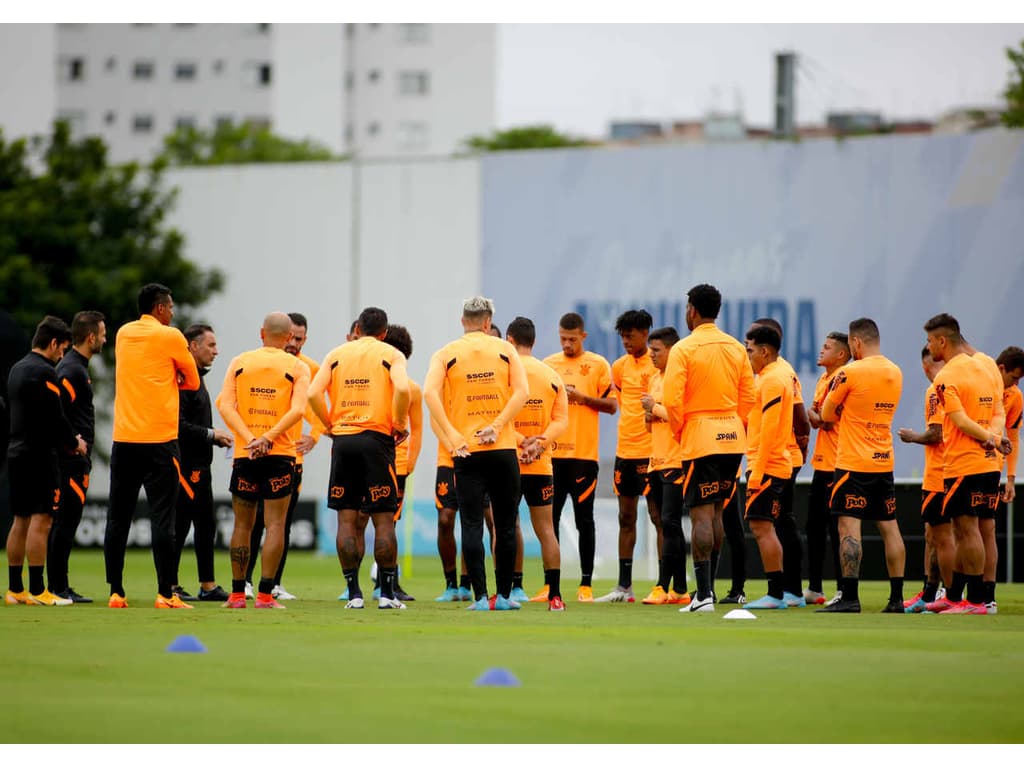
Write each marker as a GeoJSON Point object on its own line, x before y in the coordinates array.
{"type": "Point", "coordinates": [739, 613]}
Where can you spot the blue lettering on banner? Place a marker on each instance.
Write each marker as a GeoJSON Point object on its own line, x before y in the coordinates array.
{"type": "Point", "coordinates": [798, 319]}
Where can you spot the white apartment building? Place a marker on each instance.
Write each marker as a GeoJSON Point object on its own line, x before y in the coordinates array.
{"type": "Point", "coordinates": [379, 90]}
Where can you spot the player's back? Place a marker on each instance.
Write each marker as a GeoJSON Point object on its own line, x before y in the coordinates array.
{"type": "Point", "coordinates": [872, 388]}
{"type": "Point", "coordinates": [263, 381]}
{"type": "Point", "coordinates": [965, 385]}
{"type": "Point", "coordinates": [360, 390]}
{"type": "Point", "coordinates": [536, 414]}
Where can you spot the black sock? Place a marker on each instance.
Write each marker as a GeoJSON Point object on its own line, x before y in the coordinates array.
{"type": "Point", "coordinates": [266, 586]}
{"type": "Point", "coordinates": [465, 582]}
{"type": "Point", "coordinates": [896, 589]}
{"type": "Point", "coordinates": [925, 584]}
{"type": "Point", "coordinates": [625, 572]}
{"type": "Point", "coordinates": [851, 589]}
{"type": "Point", "coordinates": [663, 577]}
{"type": "Point", "coordinates": [14, 578]}
{"type": "Point", "coordinates": [388, 580]}
{"type": "Point", "coordinates": [117, 588]}
{"type": "Point", "coordinates": [955, 591]}
{"type": "Point", "coordinates": [714, 564]}
{"type": "Point", "coordinates": [990, 591]}
{"type": "Point", "coordinates": [35, 580]}
{"type": "Point", "coordinates": [553, 578]}
{"type": "Point", "coordinates": [237, 585]}
{"type": "Point", "coordinates": [975, 588]}
{"type": "Point", "coordinates": [702, 570]}
{"type": "Point", "coordinates": [585, 579]}
{"type": "Point", "coordinates": [929, 592]}
{"type": "Point", "coordinates": [352, 581]}
{"type": "Point", "coordinates": [517, 579]}
{"type": "Point", "coordinates": [450, 579]}
{"type": "Point", "coordinates": [775, 584]}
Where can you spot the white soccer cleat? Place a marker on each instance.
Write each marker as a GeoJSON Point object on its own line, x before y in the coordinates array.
{"type": "Point", "coordinates": [280, 593]}
{"type": "Point", "coordinates": [355, 602]}
{"type": "Point", "coordinates": [707, 605]}
{"type": "Point", "coordinates": [837, 598]}
{"type": "Point", "coordinates": [248, 590]}
{"type": "Point", "coordinates": [390, 602]}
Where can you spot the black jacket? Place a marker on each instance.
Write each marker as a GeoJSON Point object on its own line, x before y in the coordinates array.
{"type": "Point", "coordinates": [38, 424]}
{"type": "Point", "coordinates": [76, 395]}
{"type": "Point", "coordinates": [195, 426]}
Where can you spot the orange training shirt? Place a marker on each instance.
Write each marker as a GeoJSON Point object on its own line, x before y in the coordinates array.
{"type": "Point", "coordinates": [316, 427]}
{"type": "Point", "coordinates": [869, 391]}
{"type": "Point", "coordinates": [827, 441]}
{"type": "Point", "coordinates": [933, 414]}
{"type": "Point", "coordinates": [631, 377]}
{"type": "Point", "coordinates": [965, 385]}
{"type": "Point", "coordinates": [356, 377]}
{"type": "Point", "coordinates": [591, 375]}
{"type": "Point", "coordinates": [415, 437]}
{"type": "Point", "coordinates": [1012, 404]}
{"type": "Point", "coordinates": [795, 454]}
{"type": "Point", "coordinates": [666, 452]}
{"type": "Point", "coordinates": [546, 412]}
{"type": "Point", "coordinates": [770, 425]}
{"type": "Point", "coordinates": [149, 357]}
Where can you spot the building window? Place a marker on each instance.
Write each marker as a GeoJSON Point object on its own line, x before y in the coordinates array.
{"type": "Point", "coordinates": [110, 117]}
{"type": "Point", "coordinates": [142, 124]}
{"type": "Point", "coordinates": [111, 64]}
{"type": "Point", "coordinates": [413, 83]}
{"type": "Point", "coordinates": [414, 34]}
{"type": "Point", "coordinates": [75, 119]}
{"type": "Point", "coordinates": [72, 69]}
{"type": "Point", "coordinates": [373, 128]}
{"type": "Point", "coordinates": [183, 122]}
{"type": "Point", "coordinates": [257, 74]}
{"type": "Point", "coordinates": [185, 70]}
{"type": "Point", "coordinates": [373, 75]}
{"type": "Point", "coordinates": [413, 135]}
{"type": "Point", "coordinates": [143, 69]}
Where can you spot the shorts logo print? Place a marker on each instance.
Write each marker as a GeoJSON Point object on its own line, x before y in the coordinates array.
{"type": "Point", "coordinates": [856, 502]}
{"type": "Point", "coordinates": [246, 487]}
{"type": "Point", "coordinates": [277, 483]}
{"type": "Point", "coordinates": [442, 488]}
{"type": "Point", "coordinates": [378, 492]}
{"type": "Point", "coordinates": [337, 491]}
{"type": "Point", "coordinates": [709, 489]}
{"type": "Point", "coordinates": [890, 507]}
{"type": "Point", "coordinates": [194, 477]}
{"type": "Point", "coordinates": [547, 492]}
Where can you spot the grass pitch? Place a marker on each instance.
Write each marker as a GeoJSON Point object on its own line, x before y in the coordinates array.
{"type": "Point", "coordinates": [597, 673]}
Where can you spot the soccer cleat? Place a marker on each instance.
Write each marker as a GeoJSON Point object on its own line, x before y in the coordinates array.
{"type": "Point", "coordinates": [965, 607]}
{"type": "Point", "coordinates": [915, 599]}
{"type": "Point", "coordinates": [794, 601]}
{"type": "Point", "coordinates": [766, 602]}
{"type": "Point", "coordinates": [215, 595]}
{"type": "Point", "coordinates": [483, 604]}
{"type": "Point", "coordinates": [814, 598]}
{"type": "Point", "coordinates": [836, 598]}
{"type": "Point", "coordinates": [235, 600]}
{"type": "Point", "coordinates": [678, 598]}
{"type": "Point", "coordinates": [840, 606]}
{"type": "Point", "coordinates": [401, 594]}
{"type": "Point", "coordinates": [344, 595]}
{"type": "Point", "coordinates": [556, 604]}
{"type": "Point", "coordinates": [355, 602]}
{"type": "Point", "coordinates": [499, 603]}
{"type": "Point", "coordinates": [184, 596]}
{"type": "Point", "coordinates": [542, 595]}
{"type": "Point", "coordinates": [519, 595]}
{"type": "Point", "coordinates": [465, 595]}
{"type": "Point", "coordinates": [939, 605]}
{"type": "Point", "coordinates": [658, 596]}
{"type": "Point", "coordinates": [584, 594]}
{"type": "Point", "coordinates": [248, 590]}
{"type": "Point", "coordinates": [280, 593]}
{"type": "Point", "coordinates": [707, 605]}
{"type": "Point", "coordinates": [386, 603]}
{"type": "Point", "coordinates": [450, 595]}
{"type": "Point", "coordinates": [618, 595]}
{"type": "Point", "coordinates": [16, 598]}
{"type": "Point", "coordinates": [46, 597]}
{"type": "Point", "coordinates": [992, 607]}
{"type": "Point", "coordinates": [376, 593]}
{"type": "Point", "coordinates": [714, 597]}
{"type": "Point", "coordinates": [117, 601]}
{"type": "Point", "coordinates": [919, 606]}
{"type": "Point", "coordinates": [734, 598]}
{"type": "Point", "coordinates": [894, 606]}
{"type": "Point", "coordinates": [73, 596]}
{"type": "Point", "coordinates": [263, 600]}
{"type": "Point", "coordinates": [170, 602]}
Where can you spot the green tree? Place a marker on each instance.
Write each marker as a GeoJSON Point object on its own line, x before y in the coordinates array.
{"type": "Point", "coordinates": [230, 144]}
{"type": "Point", "coordinates": [1014, 93]}
{"type": "Point", "coordinates": [524, 137]}
{"type": "Point", "coordinates": [77, 233]}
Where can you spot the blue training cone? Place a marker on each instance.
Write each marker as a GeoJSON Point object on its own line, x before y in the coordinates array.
{"type": "Point", "coordinates": [499, 678]}
{"type": "Point", "coordinates": [186, 644]}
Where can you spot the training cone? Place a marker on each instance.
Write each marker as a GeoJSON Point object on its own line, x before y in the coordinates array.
{"type": "Point", "coordinates": [739, 613]}
{"type": "Point", "coordinates": [498, 677]}
{"type": "Point", "coordinates": [186, 644]}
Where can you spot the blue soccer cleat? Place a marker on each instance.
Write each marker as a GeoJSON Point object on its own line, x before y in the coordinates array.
{"type": "Point", "coordinates": [450, 595]}
{"type": "Point", "coordinates": [465, 594]}
{"type": "Point", "coordinates": [766, 602]}
{"type": "Point", "coordinates": [376, 593]}
{"type": "Point", "coordinates": [794, 601]}
{"type": "Point", "coordinates": [483, 604]}
{"type": "Point", "coordinates": [499, 603]}
{"type": "Point", "coordinates": [344, 595]}
{"type": "Point", "coordinates": [518, 595]}
{"type": "Point", "coordinates": [917, 606]}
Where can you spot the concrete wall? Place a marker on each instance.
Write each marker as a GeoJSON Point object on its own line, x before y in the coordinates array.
{"type": "Point", "coordinates": [28, 99]}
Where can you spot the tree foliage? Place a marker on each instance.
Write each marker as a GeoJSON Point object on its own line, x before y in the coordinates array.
{"type": "Point", "coordinates": [524, 137]}
{"type": "Point", "coordinates": [231, 143]}
{"type": "Point", "coordinates": [77, 233]}
{"type": "Point", "coordinates": [1014, 93]}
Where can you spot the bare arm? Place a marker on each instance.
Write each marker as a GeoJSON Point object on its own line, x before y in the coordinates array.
{"type": "Point", "coordinates": [931, 436]}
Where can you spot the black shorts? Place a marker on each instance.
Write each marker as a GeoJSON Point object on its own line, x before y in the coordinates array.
{"type": "Point", "coordinates": [444, 489]}
{"type": "Point", "coordinates": [974, 495]}
{"type": "Point", "coordinates": [538, 490]}
{"type": "Point", "coordinates": [631, 477]}
{"type": "Point", "coordinates": [35, 485]}
{"type": "Point", "coordinates": [931, 508]}
{"type": "Point", "coordinates": [363, 473]}
{"type": "Point", "coordinates": [765, 503]}
{"type": "Point", "coordinates": [576, 478]}
{"type": "Point", "coordinates": [710, 478]}
{"type": "Point", "coordinates": [268, 477]}
{"type": "Point", "coordinates": [863, 495]}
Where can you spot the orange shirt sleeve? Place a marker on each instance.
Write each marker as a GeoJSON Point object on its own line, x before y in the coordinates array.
{"type": "Point", "coordinates": [227, 404]}
{"type": "Point", "coordinates": [177, 348]}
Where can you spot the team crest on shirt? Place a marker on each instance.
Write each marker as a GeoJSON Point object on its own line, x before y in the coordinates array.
{"type": "Point", "coordinates": [644, 379]}
{"type": "Point", "coordinates": [442, 488]}
{"type": "Point", "coordinates": [584, 369]}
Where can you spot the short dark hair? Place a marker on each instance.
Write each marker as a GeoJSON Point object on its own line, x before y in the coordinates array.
{"type": "Point", "coordinates": [1011, 359]}
{"type": "Point", "coordinates": [947, 323]}
{"type": "Point", "coordinates": [399, 338]}
{"type": "Point", "coordinates": [766, 336]}
{"type": "Point", "coordinates": [842, 338]}
{"type": "Point", "coordinates": [571, 321]}
{"type": "Point", "coordinates": [865, 329]}
{"type": "Point", "coordinates": [373, 321]}
{"type": "Point", "coordinates": [50, 328]}
{"type": "Point", "coordinates": [522, 332]}
{"type": "Point", "coordinates": [299, 319]}
{"type": "Point", "coordinates": [667, 335]}
{"type": "Point", "coordinates": [196, 330]}
{"type": "Point", "coordinates": [634, 320]}
{"type": "Point", "coordinates": [152, 294]}
{"type": "Point", "coordinates": [771, 322]}
{"type": "Point", "coordinates": [83, 323]}
{"type": "Point", "coordinates": [706, 299]}
{"type": "Point", "coordinates": [926, 351]}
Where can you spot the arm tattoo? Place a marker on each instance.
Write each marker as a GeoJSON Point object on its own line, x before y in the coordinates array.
{"type": "Point", "coordinates": [850, 552]}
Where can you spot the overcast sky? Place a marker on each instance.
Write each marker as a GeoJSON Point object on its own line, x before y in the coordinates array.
{"type": "Point", "coordinates": [581, 76]}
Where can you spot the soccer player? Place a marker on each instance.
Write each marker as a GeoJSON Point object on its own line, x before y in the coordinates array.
{"type": "Point", "coordinates": [538, 425]}
{"type": "Point", "coordinates": [574, 462]}
{"type": "Point", "coordinates": [486, 387]}
{"type": "Point", "coordinates": [834, 354]}
{"type": "Point", "coordinates": [769, 461]}
{"type": "Point", "coordinates": [304, 443]}
{"type": "Point", "coordinates": [939, 548]}
{"type": "Point", "coordinates": [631, 380]}
{"type": "Point", "coordinates": [666, 474]}
{"type": "Point", "coordinates": [1011, 368]}
{"type": "Point", "coordinates": [88, 335]}
{"type": "Point", "coordinates": [735, 536]}
{"type": "Point", "coordinates": [866, 393]}
{"type": "Point", "coordinates": [367, 387]}
{"type": "Point", "coordinates": [40, 432]}
{"type": "Point", "coordinates": [153, 364]}
{"type": "Point", "coordinates": [196, 439]}
{"type": "Point", "coordinates": [971, 467]}
{"type": "Point", "coordinates": [708, 393]}
{"type": "Point", "coordinates": [263, 396]}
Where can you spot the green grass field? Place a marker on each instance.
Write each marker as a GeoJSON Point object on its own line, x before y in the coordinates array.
{"type": "Point", "coordinates": [596, 673]}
